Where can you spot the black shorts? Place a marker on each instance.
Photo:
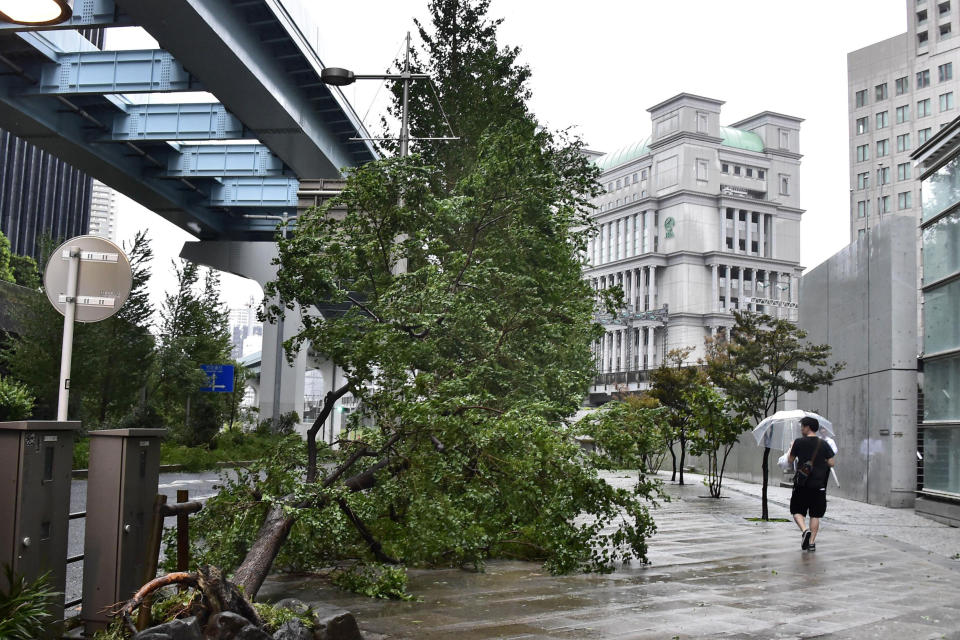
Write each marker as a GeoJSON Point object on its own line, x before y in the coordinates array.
{"type": "Point", "coordinates": [804, 499]}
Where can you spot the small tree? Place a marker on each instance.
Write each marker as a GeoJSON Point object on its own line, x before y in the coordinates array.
{"type": "Point", "coordinates": [628, 434]}
{"type": "Point", "coordinates": [763, 359]}
{"type": "Point", "coordinates": [717, 428]}
{"type": "Point", "coordinates": [16, 402]}
{"type": "Point", "coordinates": [673, 381]}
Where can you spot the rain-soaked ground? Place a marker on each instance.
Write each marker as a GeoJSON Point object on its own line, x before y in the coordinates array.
{"type": "Point", "coordinates": [877, 573]}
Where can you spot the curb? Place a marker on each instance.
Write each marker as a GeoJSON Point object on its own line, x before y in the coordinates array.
{"type": "Point", "coordinates": [178, 468]}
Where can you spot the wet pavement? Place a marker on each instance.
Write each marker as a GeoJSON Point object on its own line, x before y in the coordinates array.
{"type": "Point", "coordinates": [877, 573]}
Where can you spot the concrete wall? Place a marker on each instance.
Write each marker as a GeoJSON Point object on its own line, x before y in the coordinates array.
{"type": "Point", "coordinates": [862, 302]}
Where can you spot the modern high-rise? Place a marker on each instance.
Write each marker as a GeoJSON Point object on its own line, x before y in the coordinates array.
{"type": "Point", "coordinates": [103, 211]}
{"type": "Point", "coordinates": [901, 92]}
{"type": "Point", "coordinates": [696, 220]}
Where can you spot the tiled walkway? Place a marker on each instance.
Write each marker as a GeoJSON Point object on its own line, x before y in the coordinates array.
{"type": "Point", "coordinates": [877, 573]}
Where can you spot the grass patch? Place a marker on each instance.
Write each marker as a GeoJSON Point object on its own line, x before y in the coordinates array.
{"type": "Point", "coordinates": [230, 446]}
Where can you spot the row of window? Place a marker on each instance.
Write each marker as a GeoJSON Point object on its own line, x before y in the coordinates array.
{"type": "Point", "coordinates": [924, 109]}
{"type": "Point", "coordinates": [883, 175]}
{"type": "Point", "coordinates": [902, 85]}
{"type": "Point", "coordinates": [904, 201]}
{"type": "Point", "coordinates": [883, 146]}
{"type": "Point", "coordinates": [946, 31]}
{"type": "Point", "coordinates": [739, 170]}
{"type": "Point", "coordinates": [626, 181]}
{"type": "Point", "coordinates": [943, 9]}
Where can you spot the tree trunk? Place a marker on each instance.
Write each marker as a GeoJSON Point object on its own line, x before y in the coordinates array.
{"type": "Point", "coordinates": [683, 455]}
{"type": "Point", "coordinates": [259, 559]}
{"type": "Point", "coordinates": [673, 458]}
{"type": "Point", "coordinates": [763, 491]}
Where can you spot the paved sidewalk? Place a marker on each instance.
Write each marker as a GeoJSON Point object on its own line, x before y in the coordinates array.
{"type": "Point", "coordinates": [877, 573]}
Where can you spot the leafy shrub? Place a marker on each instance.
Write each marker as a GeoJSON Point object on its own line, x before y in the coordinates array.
{"type": "Point", "coordinates": [284, 425]}
{"type": "Point", "coordinates": [374, 581]}
{"type": "Point", "coordinates": [274, 617]}
{"type": "Point", "coordinates": [16, 401]}
{"type": "Point", "coordinates": [23, 607]}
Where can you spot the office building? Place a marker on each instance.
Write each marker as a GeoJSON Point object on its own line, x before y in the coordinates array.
{"type": "Point", "coordinates": [901, 92]}
{"type": "Point", "coordinates": [103, 211]}
{"type": "Point", "coordinates": [696, 220]}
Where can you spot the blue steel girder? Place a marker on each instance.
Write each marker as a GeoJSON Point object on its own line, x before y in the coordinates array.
{"type": "Point", "coordinates": [87, 14]}
{"type": "Point", "coordinates": [224, 160]}
{"type": "Point", "coordinates": [113, 72]}
{"type": "Point", "coordinates": [202, 121]}
{"type": "Point", "coordinates": [277, 194]}
{"type": "Point", "coordinates": [244, 62]}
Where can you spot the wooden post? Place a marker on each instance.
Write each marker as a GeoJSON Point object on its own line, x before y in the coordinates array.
{"type": "Point", "coordinates": [153, 557]}
{"type": "Point", "coordinates": [183, 533]}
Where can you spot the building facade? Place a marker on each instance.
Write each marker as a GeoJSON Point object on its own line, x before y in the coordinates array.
{"type": "Point", "coordinates": [901, 92]}
{"type": "Point", "coordinates": [938, 168]}
{"type": "Point", "coordinates": [696, 220]}
{"type": "Point", "coordinates": [103, 211]}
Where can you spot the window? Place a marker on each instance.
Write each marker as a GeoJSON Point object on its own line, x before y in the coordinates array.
{"type": "Point", "coordinates": [903, 114]}
{"type": "Point", "coordinates": [902, 85]}
{"type": "Point", "coordinates": [945, 31]}
{"type": "Point", "coordinates": [903, 171]}
{"type": "Point", "coordinates": [701, 169]}
{"type": "Point", "coordinates": [921, 17]}
{"type": "Point", "coordinates": [863, 152]}
{"type": "Point", "coordinates": [725, 168]}
{"type": "Point", "coordinates": [619, 184]}
{"type": "Point", "coordinates": [863, 208]}
{"type": "Point", "coordinates": [643, 174]}
{"type": "Point", "coordinates": [923, 135]}
{"type": "Point", "coordinates": [904, 200]}
{"type": "Point", "coordinates": [882, 120]}
{"type": "Point", "coordinates": [634, 178]}
{"type": "Point", "coordinates": [861, 98]}
{"type": "Point", "coordinates": [883, 204]}
{"type": "Point", "coordinates": [923, 108]}
{"type": "Point", "coordinates": [863, 180]}
{"type": "Point", "coordinates": [784, 184]}
{"type": "Point", "coordinates": [883, 175]}
{"type": "Point", "coordinates": [883, 147]}
{"type": "Point", "coordinates": [922, 38]}
{"type": "Point", "coordinates": [946, 101]}
{"type": "Point", "coordinates": [749, 172]}
{"type": "Point", "coordinates": [701, 122]}
{"type": "Point", "coordinates": [923, 78]}
{"type": "Point", "coordinates": [761, 174]}
{"type": "Point", "coordinates": [903, 142]}
{"type": "Point", "coordinates": [736, 169]}
{"type": "Point", "coordinates": [944, 8]}
{"type": "Point", "coordinates": [880, 91]}
{"type": "Point", "coordinates": [863, 125]}
{"type": "Point", "coordinates": [785, 136]}
{"type": "Point", "coordinates": [945, 72]}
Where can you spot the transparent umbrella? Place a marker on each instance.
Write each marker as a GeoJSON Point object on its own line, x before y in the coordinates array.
{"type": "Point", "coordinates": [782, 428]}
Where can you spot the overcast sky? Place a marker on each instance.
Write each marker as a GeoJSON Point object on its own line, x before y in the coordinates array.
{"type": "Point", "coordinates": [597, 66]}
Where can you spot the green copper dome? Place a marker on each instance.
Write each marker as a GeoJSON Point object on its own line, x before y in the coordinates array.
{"type": "Point", "coordinates": [735, 138]}
{"type": "Point", "coordinates": [739, 139]}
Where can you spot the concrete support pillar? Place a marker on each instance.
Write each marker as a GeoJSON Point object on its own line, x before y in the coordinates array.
{"type": "Point", "coordinates": [762, 236]}
{"type": "Point", "coordinates": [647, 231]}
{"type": "Point", "coordinates": [715, 290]}
{"type": "Point", "coordinates": [775, 292]}
{"type": "Point", "coordinates": [632, 235]}
{"type": "Point", "coordinates": [254, 260]}
{"type": "Point", "coordinates": [749, 233]}
{"type": "Point", "coordinates": [723, 229]}
{"type": "Point", "coordinates": [773, 236]}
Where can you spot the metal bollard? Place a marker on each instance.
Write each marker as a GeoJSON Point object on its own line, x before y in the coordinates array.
{"type": "Point", "coordinates": [36, 458]}
{"type": "Point", "coordinates": [122, 483]}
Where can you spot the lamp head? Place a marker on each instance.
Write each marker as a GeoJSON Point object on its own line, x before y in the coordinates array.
{"type": "Point", "coordinates": [36, 12]}
{"type": "Point", "coordinates": [337, 77]}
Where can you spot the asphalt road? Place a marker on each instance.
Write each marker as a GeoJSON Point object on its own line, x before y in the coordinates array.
{"type": "Point", "coordinates": [200, 485]}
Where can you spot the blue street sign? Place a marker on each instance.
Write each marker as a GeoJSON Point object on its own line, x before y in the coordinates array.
{"type": "Point", "coordinates": [219, 378]}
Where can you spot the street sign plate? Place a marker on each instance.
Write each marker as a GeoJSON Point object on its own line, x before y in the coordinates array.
{"type": "Point", "coordinates": [104, 278]}
{"type": "Point", "coordinates": [219, 378]}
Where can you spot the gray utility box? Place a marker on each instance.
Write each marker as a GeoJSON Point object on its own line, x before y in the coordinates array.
{"type": "Point", "coordinates": [121, 488]}
{"type": "Point", "coordinates": [36, 458]}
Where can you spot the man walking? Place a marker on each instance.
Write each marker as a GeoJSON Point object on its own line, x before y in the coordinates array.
{"type": "Point", "coordinates": [812, 497]}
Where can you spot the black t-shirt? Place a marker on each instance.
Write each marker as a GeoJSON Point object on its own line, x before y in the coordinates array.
{"type": "Point", "coordinates": [803, 450]}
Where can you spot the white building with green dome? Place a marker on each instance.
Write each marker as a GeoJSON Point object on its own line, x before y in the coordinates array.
{"type": "Point", "coordinates": [696, 220]}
